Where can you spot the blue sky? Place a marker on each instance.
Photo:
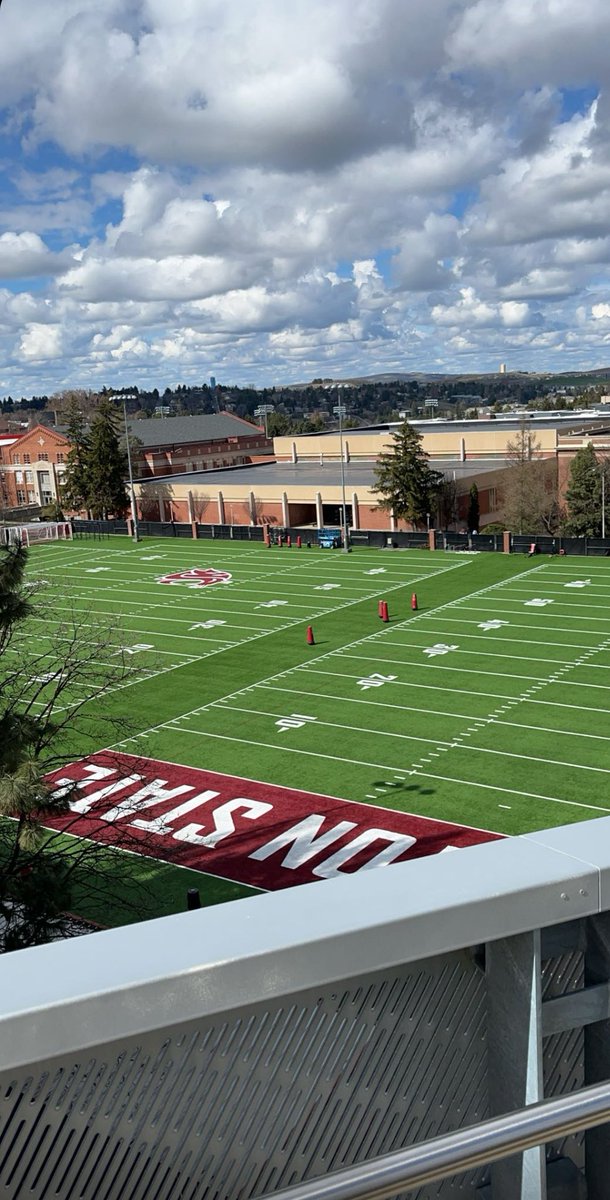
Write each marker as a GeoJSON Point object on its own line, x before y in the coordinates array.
{"type": "Point", "coordinates": [276, 192]}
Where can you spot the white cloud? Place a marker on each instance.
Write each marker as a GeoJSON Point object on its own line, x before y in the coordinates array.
{"type": "Point", "coordinates": [41, 342]}
{"type": "Point", "coordinates": [276, 186]}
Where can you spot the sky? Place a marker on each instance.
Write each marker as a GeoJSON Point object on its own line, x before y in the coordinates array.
{"type": "Point", "coordinates": [274, 192]}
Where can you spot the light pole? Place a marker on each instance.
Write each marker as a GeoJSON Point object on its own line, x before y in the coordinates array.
{"type": "Point", "coordinates": [263, 410]}
{"type": "Point", "coordinates": [340, 411]}
{"type": "Point", "coordinates": [125, 396]}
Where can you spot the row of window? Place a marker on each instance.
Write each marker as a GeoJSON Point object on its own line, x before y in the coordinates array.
{"type": "Point", "coordinates": [16, 458]}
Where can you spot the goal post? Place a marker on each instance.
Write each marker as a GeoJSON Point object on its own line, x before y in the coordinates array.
{"type": "Point", "coordinates": [36, 532]}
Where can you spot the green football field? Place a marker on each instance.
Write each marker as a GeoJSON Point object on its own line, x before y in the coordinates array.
{"type": "Point", "coordinates": [487, 707]}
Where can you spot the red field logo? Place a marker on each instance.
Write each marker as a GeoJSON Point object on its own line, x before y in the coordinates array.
{"type": "Point", "coordinates": [254, 833]}
{"type": "Point", "coordinates": [197, 577]}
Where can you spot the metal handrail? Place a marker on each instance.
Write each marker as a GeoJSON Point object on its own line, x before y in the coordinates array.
{"type": "Point", "coordinates": [462, 1150]}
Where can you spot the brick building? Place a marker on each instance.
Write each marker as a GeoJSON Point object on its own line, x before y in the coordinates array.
{"type": "Point", "coordinates": [31, 467]}
{"type": "Point", "coordinates": [175, 445]}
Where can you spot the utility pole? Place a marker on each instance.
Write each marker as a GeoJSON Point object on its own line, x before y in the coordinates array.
{"type": "Point", "coordinates": [263, 410]}
{"type": "Point", "coordinates": [125, 396]}
{"type": "Point", "coordinates": [340, 411]}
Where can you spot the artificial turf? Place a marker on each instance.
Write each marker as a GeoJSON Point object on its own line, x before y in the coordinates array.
{"type": "Point", "coordinates": [488, 706]}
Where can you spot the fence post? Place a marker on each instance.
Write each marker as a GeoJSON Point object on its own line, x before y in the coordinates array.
{"type": "Point", "coordinates": [431, 539]}
{"type": "Point", "coordinates": [506, 542]}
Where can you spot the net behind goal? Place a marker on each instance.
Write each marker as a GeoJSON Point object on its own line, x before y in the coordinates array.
{"type": "Point", "coordinates": [36, 532]}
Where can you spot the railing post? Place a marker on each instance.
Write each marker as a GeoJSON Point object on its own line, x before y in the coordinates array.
{"type": "Point", "coordinates": [514, 1039]}
{"type": "Point", "coordinates": [597, 1055]}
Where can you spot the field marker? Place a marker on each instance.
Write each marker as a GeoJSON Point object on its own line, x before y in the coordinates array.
{"type": "Point", "coordinates": [283, 674]}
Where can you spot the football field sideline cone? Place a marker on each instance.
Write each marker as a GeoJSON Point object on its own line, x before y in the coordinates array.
{"type": "Point", "coordinates": [385, 616]}
{"type": "Point", "coordinates": [310, 637]}
{"type": "Point", "coordinates": [414, 601]}
{"type": "Point", "coordinates": [380, 604]}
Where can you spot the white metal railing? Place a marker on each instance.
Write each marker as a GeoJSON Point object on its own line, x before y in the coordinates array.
{"type": "Point", "coordinates": [358, 1022]}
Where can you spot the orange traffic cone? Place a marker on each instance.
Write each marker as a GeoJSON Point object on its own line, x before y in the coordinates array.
{"type": "Point", "coordinates": [310, 637]}
{"type": "Point", "coordinates": [380, 609]}
{"type": "Point", "coordinates": [385, 616]}
{"type": "Point", "coordinates": [414, 601]}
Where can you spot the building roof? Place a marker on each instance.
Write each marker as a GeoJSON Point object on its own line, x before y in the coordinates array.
{"type": "Point", "coordinates": [180, 431]}
{"type": "Point", "coordinates": [314, 475]}
{"type": "Point", "coordinates": [503, 421]}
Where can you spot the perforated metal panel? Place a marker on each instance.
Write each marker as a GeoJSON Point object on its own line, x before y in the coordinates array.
{"type": "Point", "coordinates": [238, 1108]}
{"type": "Point", "coordinates": [234, 1077]}
{"type": "Point", "coordinates": [563, 1053]}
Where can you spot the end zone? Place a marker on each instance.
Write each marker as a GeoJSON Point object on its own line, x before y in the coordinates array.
{"type": "Point", "coordinates": [242, 830]}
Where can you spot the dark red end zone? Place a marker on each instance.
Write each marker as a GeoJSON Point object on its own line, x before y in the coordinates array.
{"type": "Point", "coordinates": [255, 833]}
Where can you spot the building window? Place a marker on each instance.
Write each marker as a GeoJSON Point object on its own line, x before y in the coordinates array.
{"type": "Point", "coordinates": [29, 476]}
{"type": "Point", "coordinates": [18, 476]}
{"type": "Point", "coordinates": [493, 499]}
{"type": "Point", "coordinates": [16, 458]}
{"type": "Point", "coordinates": [26, 458]}
{"type": "Point", "coordinates": [44, 458]}
{"type": "Point", "coordinates": [31, 497]}
{"type": "Point", "coordinates": [60, 458]}
{"type": "Point", "coordinates": [20, 497]}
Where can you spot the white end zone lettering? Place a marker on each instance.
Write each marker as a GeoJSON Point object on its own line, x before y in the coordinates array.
{"type": "Point", "coordinates": [251, 832]}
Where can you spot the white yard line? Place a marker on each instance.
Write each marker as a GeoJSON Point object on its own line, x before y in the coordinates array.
{"type": "Point", "coordinates": [330, 654]}
{"type": "Point", "coordinates": [487, 653]}
{"type": "Point", "coordinates": [222, 649]}
{"type": "Point", "coordinates": [434, 666]}
{"type": "Point", "coordinates": [433, 712]}
{"type": "Point", "coordinates": [409, 737]}
{"type": "Point", "coordinates": [428, 687]}
{"type": "Point", "coordinates": [357, 762]}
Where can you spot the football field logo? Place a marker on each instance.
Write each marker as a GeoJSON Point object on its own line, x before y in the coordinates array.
{"type": "Point", "coordinates": [197, 577]}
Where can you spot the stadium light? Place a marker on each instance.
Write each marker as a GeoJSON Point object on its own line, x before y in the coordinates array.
{"type": "Point", "coordinates": [263, 410]}
{"type": "Point", "coordinates": [340, 411]}
{"type": "Point", "coordinates": [125, 396]}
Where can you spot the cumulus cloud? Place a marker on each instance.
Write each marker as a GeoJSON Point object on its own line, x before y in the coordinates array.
{"type": "Point", "coordinates": [265, 189]}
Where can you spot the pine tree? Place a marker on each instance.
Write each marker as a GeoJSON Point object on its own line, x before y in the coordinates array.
{"type": "Point", "coordinates": [406, 485]}
{"type": "Point", "coordinates": [75, 488]}
{"type": "Point", "coordinates": [584, 495]}
{"type": "Point", "coordinates": [106, 465]}
{"type": "Point", "coordinates": [473, 510]}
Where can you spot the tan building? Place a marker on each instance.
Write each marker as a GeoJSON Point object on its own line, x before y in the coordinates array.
{"type": "Point", "coordinates": [300, 494]}
{"type": "Point", "coordinates": [303, 488]}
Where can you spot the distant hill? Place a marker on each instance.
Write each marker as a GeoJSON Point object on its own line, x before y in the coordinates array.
{"type": "Point", "coordinates": [441, 377]}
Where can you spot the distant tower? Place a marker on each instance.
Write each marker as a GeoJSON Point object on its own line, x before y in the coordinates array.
{"type": "Point", "coordinates": [503, 368]}
{"type": "Point", "coordinates": [212, 382]}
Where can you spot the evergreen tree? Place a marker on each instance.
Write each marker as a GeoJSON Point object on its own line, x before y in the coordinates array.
{"type": "Point", "coordinates": [75, 486]}
{"type": "Point", "coordinates": [404, 482]}
{"type": "Point", "coordinates": [473, 510]}
{"type": "Point", "coordinates": [584, 495]}
{"type": "Point", "coordinates": [106, 465]}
